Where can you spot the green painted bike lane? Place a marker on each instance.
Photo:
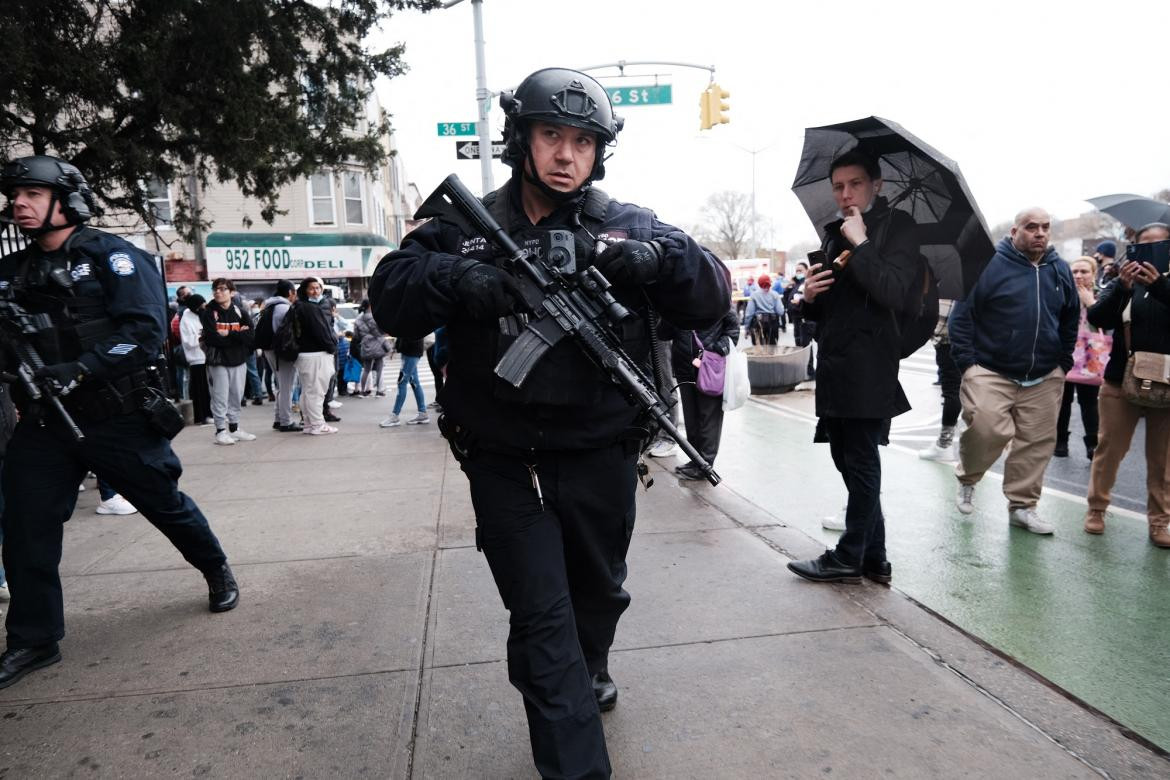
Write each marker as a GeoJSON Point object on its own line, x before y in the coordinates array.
{"type": "Point", "coordinates": [1091, 614]}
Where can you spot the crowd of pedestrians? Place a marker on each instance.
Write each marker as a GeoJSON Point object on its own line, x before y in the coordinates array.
{"type": "Point", "coordinates": [300, 352]}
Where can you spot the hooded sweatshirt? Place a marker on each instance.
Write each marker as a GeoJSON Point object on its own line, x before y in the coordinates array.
{"type": "Point", "coordinates": [1019, 320]}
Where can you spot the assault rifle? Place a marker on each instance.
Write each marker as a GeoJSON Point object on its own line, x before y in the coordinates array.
{"type": "Point", "coordinates": [16, 325]}
{"type": "Point", "coordinates": [564, 302]}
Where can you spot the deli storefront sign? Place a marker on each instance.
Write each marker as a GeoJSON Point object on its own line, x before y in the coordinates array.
{"type": "Point", "coordinates": [293, 255]}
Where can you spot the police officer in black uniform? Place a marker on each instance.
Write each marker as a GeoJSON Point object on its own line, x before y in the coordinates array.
{"type": "Point", "coordinates": [106, 303]}
{"type": "Point", "coordinates": [551, 465]}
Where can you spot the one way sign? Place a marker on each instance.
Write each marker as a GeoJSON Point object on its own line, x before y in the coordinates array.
{"type": "Point", "coordinates": [469, 150]}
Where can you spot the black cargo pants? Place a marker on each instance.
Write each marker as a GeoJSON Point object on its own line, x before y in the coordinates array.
{"type": "Point", "coordinates": [559, 569]}
{"type": "Point", "coordinates": [42, 470]}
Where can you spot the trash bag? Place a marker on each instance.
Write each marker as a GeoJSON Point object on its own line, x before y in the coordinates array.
{"type": "Point", "coordinates": [736, 387]}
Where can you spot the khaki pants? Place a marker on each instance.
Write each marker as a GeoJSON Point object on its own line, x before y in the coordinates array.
{"type": "Point", "coordinates": [1119, 419]}
{"type": "Point", "coordinates": [998, 411]}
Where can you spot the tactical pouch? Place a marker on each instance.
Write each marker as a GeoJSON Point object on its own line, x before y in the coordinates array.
{"type": "Point", "coordinates": [162, 415]}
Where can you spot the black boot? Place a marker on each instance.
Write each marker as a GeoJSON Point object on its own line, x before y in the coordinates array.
{"type": "Point", "coordinates": [605, 691]}
{"type": "Point", "coordinates": [1061, 450]}
{"type": "Point", "coordinates": [1090, 445]}
{"type": "Point", "coordinates": [19, 661]}
{"type": "Point", "coordinates": [222, 591]}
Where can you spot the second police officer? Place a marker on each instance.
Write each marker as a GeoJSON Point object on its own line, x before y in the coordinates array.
{"type": "Point", "coordinates": [102, 308]}
{"type": "Point", "coordinates": [551, 466]}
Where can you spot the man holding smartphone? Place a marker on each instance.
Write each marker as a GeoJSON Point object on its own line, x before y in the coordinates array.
{"type": "Point", "coordinates": [857, 391]}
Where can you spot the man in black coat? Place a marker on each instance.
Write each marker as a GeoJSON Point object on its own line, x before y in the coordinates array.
{"type": "Point", "coordinates": [855, 308]}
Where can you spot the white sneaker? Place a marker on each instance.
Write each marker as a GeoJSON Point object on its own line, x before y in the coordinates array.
{"type": "Point", "coordinates": [81, 488]}
{"type": "Point", "coordinates": [942, 454]}
{"type": "Point", "coordinates": [116, 505]}
{"type": "Point", "coordinates": [4, 594]}
{"type": "Point", "coordinates": [1029, 518]}
{"type": "Point", "coordinates": [239, 434]}
{"type": "Point", "coordinates": [419, 419]}
{"type": "Point", "coordinates": [335, 404]}
{"type": "Point", "coordinates": [965, 500]}
{"type": "Point", "coordinates": [663, 448]}
{"type": "Point", "coordinates": [223, 437]}
{"type": "Point", "coordinates": [835, 522]}
{"type": "Point", "coordinates": [390, 422]}
{"type": "Point", "coordinates": [321, 430]}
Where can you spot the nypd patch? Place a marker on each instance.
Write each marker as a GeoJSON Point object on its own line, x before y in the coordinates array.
{"type": "Point", "coordinates": [121, 264]}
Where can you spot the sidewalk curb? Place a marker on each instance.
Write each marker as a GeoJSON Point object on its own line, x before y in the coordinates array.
{"type": "Point", "coordinates": [1085, 733]}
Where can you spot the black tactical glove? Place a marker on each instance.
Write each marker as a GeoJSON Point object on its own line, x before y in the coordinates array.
{"type": "Point", "coordinates": [64, 376]}
{"type": "Point", "coordinates": [485, 291]}
{"type": "Point", "coordinates": [630, 262]}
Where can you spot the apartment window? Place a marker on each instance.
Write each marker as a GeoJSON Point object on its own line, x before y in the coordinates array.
{"type": "Point", "coordinates": [158, 199]}
{"type": "Point", "coordinates": [321, 204]}
{"type": "Point", "coordinates": [355, 209]}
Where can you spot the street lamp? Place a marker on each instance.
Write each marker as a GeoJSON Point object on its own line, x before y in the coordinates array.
{"type": "Point", "coordinates": [483, 97]}
{"type": "Point", "coordinates": [753, 153]}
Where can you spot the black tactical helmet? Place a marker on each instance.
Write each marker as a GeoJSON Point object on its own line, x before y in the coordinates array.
{"type": "Point", "coordinates": [562, 97]}
{"type": "Point", "coordinates": [76, 198]}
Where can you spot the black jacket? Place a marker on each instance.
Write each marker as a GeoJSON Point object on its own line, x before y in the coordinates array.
{"type": "Point", "coordinates": [718, 338]}
{"type": "Point", "coordinates": [224, 343]}
{"type": "Point", "coordinates": [567, 402]}
{"type": "Point", "coordinates": [317, 334]}
{"type": "Point", "coordinates": [1149, 317]}
{"type": "Point", "coordinates": [857, 331]}
{"type": "Point", "coordinates": [114, 317]}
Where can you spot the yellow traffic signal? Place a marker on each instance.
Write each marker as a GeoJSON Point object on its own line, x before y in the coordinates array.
{"type": "Point", "coordinates": [705, 109]}
{"type": "Point", "coordinates": [713, 113]}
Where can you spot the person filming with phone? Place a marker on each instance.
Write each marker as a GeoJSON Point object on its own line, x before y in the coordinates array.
{"type": "Point", "coordinates": [1137, 307]}
{"type": "Point", "coordinates": [874, 255]}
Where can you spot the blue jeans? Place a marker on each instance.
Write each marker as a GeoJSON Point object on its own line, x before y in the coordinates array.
{"type": "Point", "coordinates": [409, 373]}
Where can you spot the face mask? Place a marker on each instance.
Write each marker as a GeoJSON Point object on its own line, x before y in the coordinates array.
{"type": "Point", "coordinates": [315, 299]}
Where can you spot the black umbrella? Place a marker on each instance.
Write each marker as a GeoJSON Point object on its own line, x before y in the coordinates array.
{"type": "Point", "coordinates": [918, 179]}
{"type": "Point", "coordinates": [1133, 211]}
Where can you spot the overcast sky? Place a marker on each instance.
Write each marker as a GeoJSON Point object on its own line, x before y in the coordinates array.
{"type": "Point", "coordinates": [1040, 102]}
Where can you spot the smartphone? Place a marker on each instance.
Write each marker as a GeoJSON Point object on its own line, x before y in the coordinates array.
{"type": "Point", "coordinates": [1156, 253]}
{"type": "Point", "coordinates": [819, 256]}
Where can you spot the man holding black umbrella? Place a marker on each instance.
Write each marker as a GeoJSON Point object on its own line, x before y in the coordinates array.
{"type": "Point", "coordinates": [855, 308]}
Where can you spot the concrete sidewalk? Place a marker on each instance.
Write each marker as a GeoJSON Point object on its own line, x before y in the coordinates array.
{"type": "Point", "coordinates": [369, 641]}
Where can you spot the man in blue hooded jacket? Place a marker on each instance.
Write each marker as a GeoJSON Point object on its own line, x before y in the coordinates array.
{"type": "Point", "coordinates": [1012, 339]}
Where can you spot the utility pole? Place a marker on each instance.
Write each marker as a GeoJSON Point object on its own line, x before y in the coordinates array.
{"type": "Point", "coordinates": [483, 97]}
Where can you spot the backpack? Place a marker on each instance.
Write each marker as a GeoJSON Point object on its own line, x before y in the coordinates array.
{"type": "Point", "coordinates": [918, 319]}
{"type": "Point", "coordinates": [263, 337]}
{"type": "Point", "coordinates": [287, 340]}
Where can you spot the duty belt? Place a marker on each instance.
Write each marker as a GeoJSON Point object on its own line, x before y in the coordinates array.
{"type": "Point", "coordinates": [112, 397]}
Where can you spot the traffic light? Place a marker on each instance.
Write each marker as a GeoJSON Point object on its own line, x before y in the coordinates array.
{"type": "Point", "coordinates": [704, 110]}
{"type": "Point", "coordinates": [712, 111]}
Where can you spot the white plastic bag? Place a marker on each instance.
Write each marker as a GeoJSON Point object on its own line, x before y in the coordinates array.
{"type": "Point", "coordinates": [736, 387]}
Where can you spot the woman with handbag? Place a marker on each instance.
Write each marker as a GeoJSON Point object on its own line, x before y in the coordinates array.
{"type": "Point", "coordinates": [702, 406]}
{"type": "Point", "coordinates": [1089, 360]}
{"type": "Point", "coordinates": [1137, 307]}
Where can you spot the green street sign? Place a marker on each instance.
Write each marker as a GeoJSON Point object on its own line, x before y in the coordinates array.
{"type": "Point", "coordinates": [657, 95]}
{"type": "Point", "coordinates": [452, 129]}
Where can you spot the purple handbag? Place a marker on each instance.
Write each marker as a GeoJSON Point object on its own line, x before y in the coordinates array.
{"type": "Point", "coordinates": [712, 367]}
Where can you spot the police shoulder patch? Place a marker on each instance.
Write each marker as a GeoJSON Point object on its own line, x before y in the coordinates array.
{"type": "Point", "coordinates": [121, 264]}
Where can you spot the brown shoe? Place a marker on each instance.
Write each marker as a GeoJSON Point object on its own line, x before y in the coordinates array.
{"type": "Point", "coordinates": [1159, 535]}
{"type": "Point", "coordinates": [1095, 522]}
